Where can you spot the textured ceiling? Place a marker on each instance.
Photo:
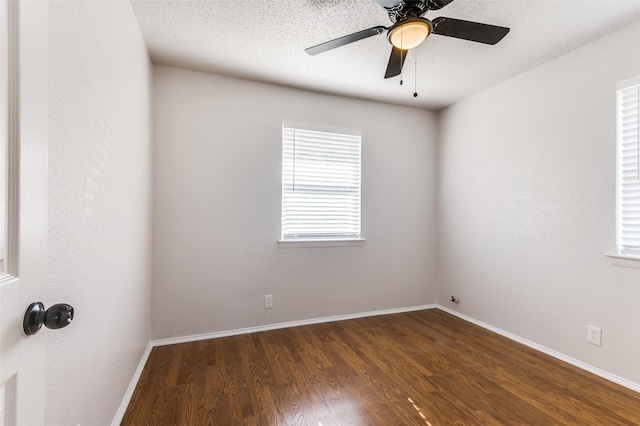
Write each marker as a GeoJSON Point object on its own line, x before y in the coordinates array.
{"type": "Point", "coordinates": [264, 40]}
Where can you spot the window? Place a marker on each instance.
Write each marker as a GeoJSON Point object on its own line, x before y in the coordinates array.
{"type": "Point", "coordinates": [320, 184]}
{"type": "Point", "coordinates": [628, 168]}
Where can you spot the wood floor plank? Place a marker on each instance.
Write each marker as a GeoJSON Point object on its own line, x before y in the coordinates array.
{"type": "Point", "coordinates": [418, 368]}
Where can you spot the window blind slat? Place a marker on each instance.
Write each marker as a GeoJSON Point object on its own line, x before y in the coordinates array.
{"type": "Point", "coordinates": [320, 185]}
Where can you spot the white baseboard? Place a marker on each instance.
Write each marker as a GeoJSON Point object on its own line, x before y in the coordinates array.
{"type": "Point", "coordinates": [217, 334]}
{"type": "Point", "coordinates": [132, 386]}
{"type": "Point", "coordinates": [582, 365]}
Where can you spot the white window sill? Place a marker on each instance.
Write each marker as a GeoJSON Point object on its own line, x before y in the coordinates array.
{"type": "Point", "coordinates": [320, 243]}
{"type": "Point", "coordinates": [624, 260]}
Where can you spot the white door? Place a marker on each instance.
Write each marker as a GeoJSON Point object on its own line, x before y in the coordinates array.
{"type": "Point", "coordinates": [23, 206]}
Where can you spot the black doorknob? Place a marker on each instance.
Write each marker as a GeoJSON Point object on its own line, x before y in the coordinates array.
{"type": "Point", "coordinates": [57, 316]}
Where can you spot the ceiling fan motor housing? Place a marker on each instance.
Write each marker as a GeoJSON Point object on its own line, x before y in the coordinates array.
{"type": "Point", "coordinates": [415, 8]}
{"type": "Point", "coordinates": [437, 4]}
{"type": "Point", "coordinates": [408, 8]}
{"type": "Point", "coordinates": [399, 10]}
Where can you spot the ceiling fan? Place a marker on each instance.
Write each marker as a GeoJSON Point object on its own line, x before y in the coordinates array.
{"type": "Point", "coordinates": [410, 29]}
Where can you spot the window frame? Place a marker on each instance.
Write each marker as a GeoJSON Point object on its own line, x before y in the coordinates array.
{"type": "Point", "coordinates": [336, 240]}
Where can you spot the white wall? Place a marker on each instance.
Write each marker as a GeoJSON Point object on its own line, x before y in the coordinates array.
{"type": "Point", "coordinates": [526, 207]}
{"type": "Point", "coordinates": [217, 193]}
{"type": "Point", "coordinates": [100, 207]}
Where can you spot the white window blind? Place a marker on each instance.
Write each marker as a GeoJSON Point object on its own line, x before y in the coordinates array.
{"type": "Point", "coordinates": [628, 167]}
{"type": "Point", "coordinates": [320, 184]}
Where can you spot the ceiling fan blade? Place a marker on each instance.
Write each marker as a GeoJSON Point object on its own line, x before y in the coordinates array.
{"type": "Point", "coordinates": [341, 41]}
{"type": "Point", "coordinates": [396, 61]}
{"type": "Point", "coordinates": [467, 30]}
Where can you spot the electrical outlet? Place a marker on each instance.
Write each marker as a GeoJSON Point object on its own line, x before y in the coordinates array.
{"type": "Point", "coordinates": [268, 301]}
{"type": "Point", "coordinates": [594, 335]}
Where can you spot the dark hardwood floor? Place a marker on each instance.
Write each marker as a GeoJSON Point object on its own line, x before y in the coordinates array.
{"type": "Point", "coordinates": [419, 368]}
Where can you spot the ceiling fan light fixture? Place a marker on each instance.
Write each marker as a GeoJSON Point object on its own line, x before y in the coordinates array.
{"type": "Point", "coordinates": [410, 33]}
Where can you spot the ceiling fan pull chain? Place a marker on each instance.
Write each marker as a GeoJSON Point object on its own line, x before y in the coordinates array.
{"type": "Point", "coordinates": [401, 57]}
{"type": "Point", "coordinates": [415, 74]}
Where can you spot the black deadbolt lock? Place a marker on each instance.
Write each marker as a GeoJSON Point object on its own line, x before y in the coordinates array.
{"type": "Point", "coordinates": [57, 316]}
